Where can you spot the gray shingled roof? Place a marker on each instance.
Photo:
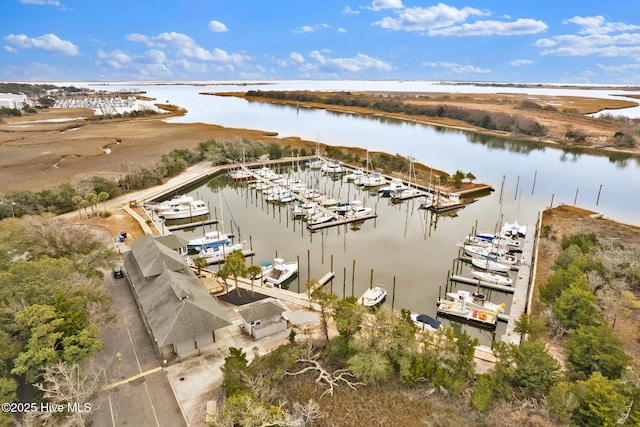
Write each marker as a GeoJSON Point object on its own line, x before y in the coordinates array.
{"type": "Point", "coordinates": [172, 241]}
{"type": "Point", "coordinates": [262, 310]}
{"type": "Point", "coordinates": [175, 303]}
{"type": "Point", "coordinates": [154, 258]}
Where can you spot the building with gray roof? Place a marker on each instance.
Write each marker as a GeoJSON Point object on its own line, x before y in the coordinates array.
{"type": "Point", "coordinates": [179, 312]}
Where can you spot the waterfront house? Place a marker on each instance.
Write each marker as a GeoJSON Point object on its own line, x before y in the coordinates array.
{"type": "Point", "coordinates": [179, 312]}
{"type": "Point", "coordinates": [263, 318]}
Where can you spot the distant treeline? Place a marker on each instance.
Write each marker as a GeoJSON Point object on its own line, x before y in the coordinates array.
{"type": "Point", "coordinates": [486, 120]}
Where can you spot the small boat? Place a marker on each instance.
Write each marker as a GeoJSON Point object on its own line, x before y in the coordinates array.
{"type": "Point", "coordinates": [373, 297]}
{"type": "Point", "coordinates": [406, 193]}
{"type": "Point", "coordinates": [372, 180]}
{"type": "Point", "coordinates": [424, 322]}
{"type": "Point", "coordinates": [488, 265]}
{"type": "Point", "coordinates": [515, 229]}
{"type": "Point", "coordinates": [319, 218]}
{"type": "Point", "coordinates": [396, 184]}
{"type": "Point", "coordinates": [281, 272]}
{"type": "Point", "coordinates": [354, 174]}
{"type": "Point", "coordinates": [332, 167]}
{"type": "Point", "coordinates": [240, 175]}
{"type": "Point", "coordinates": [219, 253]}
{"type": "Point", "coordinates": [187, 208]}
{"type": "Point", "coordinates": [471, 307]}
{"type": "Point", "coordinates": [492, 278]}
{"type": "Point", "coordinates": [315, 164]}
{"type": "Point", "coordinates": [358, 211]}
{"type": "Point", "coordinates": [303, 209]}
{"type": "Point", "coordinates": [209, 239]}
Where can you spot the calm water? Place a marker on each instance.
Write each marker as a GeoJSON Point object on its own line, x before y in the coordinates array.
{"type": "Point", "coordinates": [412, 246]}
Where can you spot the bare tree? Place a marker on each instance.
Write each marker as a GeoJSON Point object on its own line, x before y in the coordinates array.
{"type": "Point", "coordinates": [331, 380]}
{"type": "Point", "coordinates": [307, 414]}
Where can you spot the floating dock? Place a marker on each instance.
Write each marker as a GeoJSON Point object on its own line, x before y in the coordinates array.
{"type": "Point", "coordinates": [191, 224]}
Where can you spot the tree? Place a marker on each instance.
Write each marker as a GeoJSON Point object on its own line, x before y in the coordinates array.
{"type": "Point", "coordinates": [253, 271]}
{"type": "Point", "coordinates": [103, 196]}
{"type": "Point", "coordinates": [471, 177]}
{"type": "Point", "coordinates": [602, 402]}
{"type": "Point", "coordinates": [92, 199]}
{"type": "Point", "coordinates": [596, 348]}
{"type": "Point", "coordinates": [535, 371]}
{"type": "Point", "coordinates": [223, 274]}
{"type": "Point", "coordinates": [77, 201]}
{"type": "Point", "coordinates": [200, 264]}
{"type": "Point", "coordinates": [235, 266]}
{"type": "Point", "coordinates": [234, 370]}
{"type": "Point", "coordinates": [327, 303]}
{"type": "Point", "coordinates": [576, 307]}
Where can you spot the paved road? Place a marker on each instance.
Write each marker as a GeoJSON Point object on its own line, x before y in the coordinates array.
{"type": "Point", "coordinates": [139, 393]}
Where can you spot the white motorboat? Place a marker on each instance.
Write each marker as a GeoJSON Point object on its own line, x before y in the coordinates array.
{"type": "Point", "coordinates": [515, 229]}
{"type": "Point", "coordinates": [358, 211]}
{"type": "Point", "coordinates": [354, 174]}
{"type": "Point", "coordinates": [471, 307]}
{"type": "Point", "coordinates": [281, 272]}
{"type": "Point", "coordinates": [488, 265]}
{"type": "Point", "coordinates": [396, 184]}
{"type": "Point", "coordinates": [406, 193]}
{"type": "Point", "coordinates": [424, 322]}
{"type": "Point", "coordinates": [319, 218]}
{"type": "Point", "coordinates": [187, 208]}
{"type": "Point", "coordinates": [219, 253]}
{"type": "Point", "coordinates": [210, 239]}
{"type": "Point", "coordinates": [372, 180]}
{"type": "Point", "coordinates": [315, 164]}
{"type": "Point", "coordinates": [332, 167]}
{"type": "Point", "coordinates": [373, 297]}
{"type": "Point", "coordinates": [492, 278]}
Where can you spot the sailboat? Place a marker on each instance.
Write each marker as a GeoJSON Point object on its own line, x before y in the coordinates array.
{"type": "Point", "coordinates": [409, 192]}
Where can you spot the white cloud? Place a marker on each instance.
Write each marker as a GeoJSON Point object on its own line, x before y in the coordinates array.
{"type": "Point", "coordinates": [519, 62]}
{"type": "Point", "coordinates": [311, 28]}
{"type": "Point", "coordinates": [184, 46]}
{"type": "Point", "coordinates": [10, 49]}
{"type": "Point", "coordinates": [421, 19]}
{"type": "Point", "coordinates": [457, 68]}
{"type": "Point", "coordinates": [217, 27]}
{"type": "Point", "coordinates": [598, 25]}
{"type": "Point", "coordinates": [341, 30]}
{"type": "Point", "coordinates": [116, 59]}
{"type": "Point", "coordinates": [595, 36]}
{"type": "Point", "coordinates": [360, 62]}
{"type": "Point", "coordinates": [296, 57]}
{"type": "Point", "coordinates": [490, 28]}
{"type": "Point", "coordinates": [48, 42]}
{"type": "Point", "coordinates": [348, 11]}
{"type": "Point", "coordinates": [42, 2]}
{"type": "Point", "coordinates": [385, 4]}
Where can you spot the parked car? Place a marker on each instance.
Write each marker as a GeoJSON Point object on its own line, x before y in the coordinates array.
{"type": "Point", "coordinates": [117, 272]}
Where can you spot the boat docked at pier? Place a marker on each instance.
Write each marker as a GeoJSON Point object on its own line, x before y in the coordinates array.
{"type": "Point", "coordinates": [472, 307]}
{"type": "Point", "coordinates": [281, 272]}
{"type": "Point", "coordinates": [182, 207]}
{"type": "Point", "coordinates": [492, 278]}
{"type": "Point", "coordinates": [424, 322]}
{"type": "Point", "coordinates": [210, 239]}
{"type": "Point", "coordinates": [218, 253]}
{"type": "Point", "coordinates": [488, 265]}
{"type": "Point", "coordinates": [373, 297]}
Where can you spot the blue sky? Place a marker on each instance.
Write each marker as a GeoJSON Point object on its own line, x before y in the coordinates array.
{"type": "Point", "coordinates": [561, 41]}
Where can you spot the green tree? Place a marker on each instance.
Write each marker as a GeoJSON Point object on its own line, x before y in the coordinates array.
{"type": "Point", "coordinates": [563, 401]}
{"type": "Point", "coordinates": [596, 348]}
{"type": "Point", "coordinates": [602, 402]}
{"type": "Point", "coordinates": [235, 266]}
{"type": "Point", "coordinates": [200, 263]}
{"type": "Point", "coordinates": [577, 306]}
{"type": "Point", "coordinates": [103, 197]}
{"type": "Point", "coordinates": [253, 271]}
{"type": "Point", "coordinates": [560, 280]}
{"type": "Point", "coordinates": [235, 370]}
{"type": "Point", "coordinates": [471, 177]}
{"type": "Point", "coordinates": [370, 366]}
{"type": "Point", "coordinates": [93, 200]}
{"type": "Point", "coordinates": [327, 302]}
{"type": "Point", "coordinates": [532, 326]}
{"type": "Point", "coordinates": [535, 371]}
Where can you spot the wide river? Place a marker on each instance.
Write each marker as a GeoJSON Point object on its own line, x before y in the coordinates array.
{"type": "Point", "coordinates": [411, 247]}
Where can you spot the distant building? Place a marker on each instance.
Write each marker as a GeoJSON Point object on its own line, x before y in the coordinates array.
{"type": "Point", "coordinates": [11, 100]}
{"type": "Point", "coordinates": [263, 318]}
{"type": "Point", "coordinates": [178, 310]}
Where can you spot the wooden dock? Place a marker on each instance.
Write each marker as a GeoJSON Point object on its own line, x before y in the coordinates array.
{"type": "Point", "coordinates": [191, 224]}
{"type": "Point", "coordinates": [522, 285]}
{"type": "Point", "coordinates": [339, 221]}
